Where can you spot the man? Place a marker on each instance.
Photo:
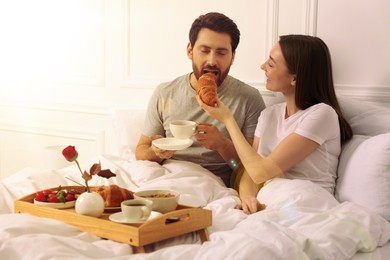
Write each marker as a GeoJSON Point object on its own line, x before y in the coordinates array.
{"type": "Point", "coordinates": [211, 48]}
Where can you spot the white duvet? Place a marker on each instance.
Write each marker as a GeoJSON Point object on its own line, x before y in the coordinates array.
{"type": "Point", "coordinates": [301, 221]}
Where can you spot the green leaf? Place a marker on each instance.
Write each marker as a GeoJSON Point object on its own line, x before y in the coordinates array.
{"type": "Point", "coordinates": [61, 196]}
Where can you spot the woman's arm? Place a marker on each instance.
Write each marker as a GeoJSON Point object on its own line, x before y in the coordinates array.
{"type": "Point", "coordinates": [290, 151]}
{"type": "Point", "coordinates": [211, 138]}
{"type": "Point", "coordinates": [248, 191]}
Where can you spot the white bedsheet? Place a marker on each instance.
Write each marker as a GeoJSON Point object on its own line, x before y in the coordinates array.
{"type": "Point", "coordinates": [301, 221]}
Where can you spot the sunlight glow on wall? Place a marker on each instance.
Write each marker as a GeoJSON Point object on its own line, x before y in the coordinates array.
{"type": "Point", "coordinates": [48, 43]}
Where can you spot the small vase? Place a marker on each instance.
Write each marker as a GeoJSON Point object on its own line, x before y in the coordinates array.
{"type": "Point", "coordinates": [90, 204]}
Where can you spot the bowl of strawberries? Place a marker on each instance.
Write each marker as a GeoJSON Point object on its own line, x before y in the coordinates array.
{"type": "Point", "coordinates": [58, 198]}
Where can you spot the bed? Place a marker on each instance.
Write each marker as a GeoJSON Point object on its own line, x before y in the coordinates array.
{"type": "Point", "coordinates": [301, 221]}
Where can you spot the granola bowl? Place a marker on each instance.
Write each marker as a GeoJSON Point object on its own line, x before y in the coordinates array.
{"type": "Point", "coordinates": [163, 200]}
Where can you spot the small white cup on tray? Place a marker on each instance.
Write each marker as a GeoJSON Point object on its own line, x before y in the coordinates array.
{"type": "Point", "coordinates": [136, 210]}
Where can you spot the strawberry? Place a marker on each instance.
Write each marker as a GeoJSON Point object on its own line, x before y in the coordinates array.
{"type": "Point", "coordinates": [40, 196]}
{"type": "Point", "coordinates": [52, 198]}
{"type": "Point", "coordinates": [56, 196]}
{"type": "Point", "coordinates": [70, 197]}
{"type": "Point", "coordinates": [72, 191]}
{"type": "Point", "coordinates": [47, 192]}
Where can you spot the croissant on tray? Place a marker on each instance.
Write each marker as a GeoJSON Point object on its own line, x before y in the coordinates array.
{"type": "Point", "coordinates": [206, 88]}
{"type": "Point", "coordinates": [113, 195]}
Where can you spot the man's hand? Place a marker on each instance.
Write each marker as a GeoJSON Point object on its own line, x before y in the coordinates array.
{"type": "Point", "coordinates": [163, 154]}
{"type": "Point", "coordinates": [209, 136]}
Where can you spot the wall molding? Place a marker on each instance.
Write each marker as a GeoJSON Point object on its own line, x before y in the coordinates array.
{"type": "Point", "coordinates": [95, 136]}
{"type": "Point", "coordinates": [57, 107]}
{"type": "Point", "coordinates": [310, 22]}
{"type": "Point", "coordinates": [81, 135]}
{"type": "Point", "coordinates": [130, 81]}
{"type": "Point", "coordinates": [272, 24]}
{"type": "Point", "coordinates": [372, 93]}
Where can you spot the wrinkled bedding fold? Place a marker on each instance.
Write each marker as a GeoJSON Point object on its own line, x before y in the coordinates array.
{"type": "Point", "coordinates": [301, 221]}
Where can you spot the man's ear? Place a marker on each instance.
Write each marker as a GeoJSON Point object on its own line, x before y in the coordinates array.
{"type": "Point", "coordinates": [233, 56]}
{"type": "Point", "coordinates": [189, 51]}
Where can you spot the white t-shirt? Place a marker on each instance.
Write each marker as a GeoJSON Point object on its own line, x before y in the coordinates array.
{"type": "Point", "coordinates": [318, 123]}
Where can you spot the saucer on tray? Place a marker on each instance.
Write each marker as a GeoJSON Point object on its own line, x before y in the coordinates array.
{"type": "Point", "coordinates": [171, 143]}
{"type": "Point", "coordinates": [119, 218]}
{"type": "Point", "coordinates": [56, 205]}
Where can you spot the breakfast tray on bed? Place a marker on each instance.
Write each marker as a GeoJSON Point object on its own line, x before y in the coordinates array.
{"type": "Point", "coordinates": [181, 221]}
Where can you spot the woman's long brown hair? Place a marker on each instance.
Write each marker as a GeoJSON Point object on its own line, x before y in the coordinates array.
{"type": "Point", "coordinates": [309, 59]}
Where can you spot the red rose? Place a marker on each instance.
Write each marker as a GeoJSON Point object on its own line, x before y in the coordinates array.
{"type": "Point", "coordinates": [70, 153]}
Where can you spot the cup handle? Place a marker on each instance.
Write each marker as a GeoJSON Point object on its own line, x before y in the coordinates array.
{"type": "Point", "coordinates": [146, 212]}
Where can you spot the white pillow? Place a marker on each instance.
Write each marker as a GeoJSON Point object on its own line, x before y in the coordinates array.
{"type": "Point", "coordinates": [127, 125]}
{"type": "Point", "coordinates": [365, 118]}
{"type": "Point", "coordinates": [364, 173]}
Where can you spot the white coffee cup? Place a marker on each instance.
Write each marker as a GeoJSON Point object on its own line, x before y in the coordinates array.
{"type": "Point", "coordinates": [136, 209]}
{"type": "Point", "coordinates": [182, 129]}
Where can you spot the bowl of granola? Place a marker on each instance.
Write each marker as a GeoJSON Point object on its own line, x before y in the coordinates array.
{"type": "Point", "coordinates": [163, 200]}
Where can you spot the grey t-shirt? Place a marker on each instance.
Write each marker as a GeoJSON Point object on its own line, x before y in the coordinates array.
{"type": "Point", "coordinates": [176, 100]}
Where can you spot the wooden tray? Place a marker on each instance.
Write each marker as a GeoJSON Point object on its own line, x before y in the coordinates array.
{"type": "Point", "coordinates": [181, 221]}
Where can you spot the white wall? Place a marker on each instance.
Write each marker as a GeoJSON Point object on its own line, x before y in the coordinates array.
{"type": "Point", "coordinates": [65, 64]}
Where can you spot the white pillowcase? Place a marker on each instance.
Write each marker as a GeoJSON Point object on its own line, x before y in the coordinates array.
{"type": "Point", "coordinates": [365, 118]}
{"type": "Point", "coordinates": [127, 125]}
{"type": "Point", "coordinates": [364, 173]}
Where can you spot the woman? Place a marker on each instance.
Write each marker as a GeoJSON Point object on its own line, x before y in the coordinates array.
{"type": "Point", "coordinates": [300, 138]}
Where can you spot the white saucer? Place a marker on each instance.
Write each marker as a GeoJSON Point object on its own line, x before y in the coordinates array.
{"type": "Point", "coordinates": [171, 143]}
{"type": "Point", "coordinates": [119, 218]}
{"type": "Point", "coordinates": [56, 205]}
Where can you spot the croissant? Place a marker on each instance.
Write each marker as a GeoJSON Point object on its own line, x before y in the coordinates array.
{"type": "Point", "coordinates": [113, 195]}
{"type": "Point", "coordinates": [206, 88]}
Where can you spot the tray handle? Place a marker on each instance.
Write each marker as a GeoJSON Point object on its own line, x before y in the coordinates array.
{"type": "Point", "coordinates": [196, 217]}
{"type": "Point", "coordinates": [175, 223]}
